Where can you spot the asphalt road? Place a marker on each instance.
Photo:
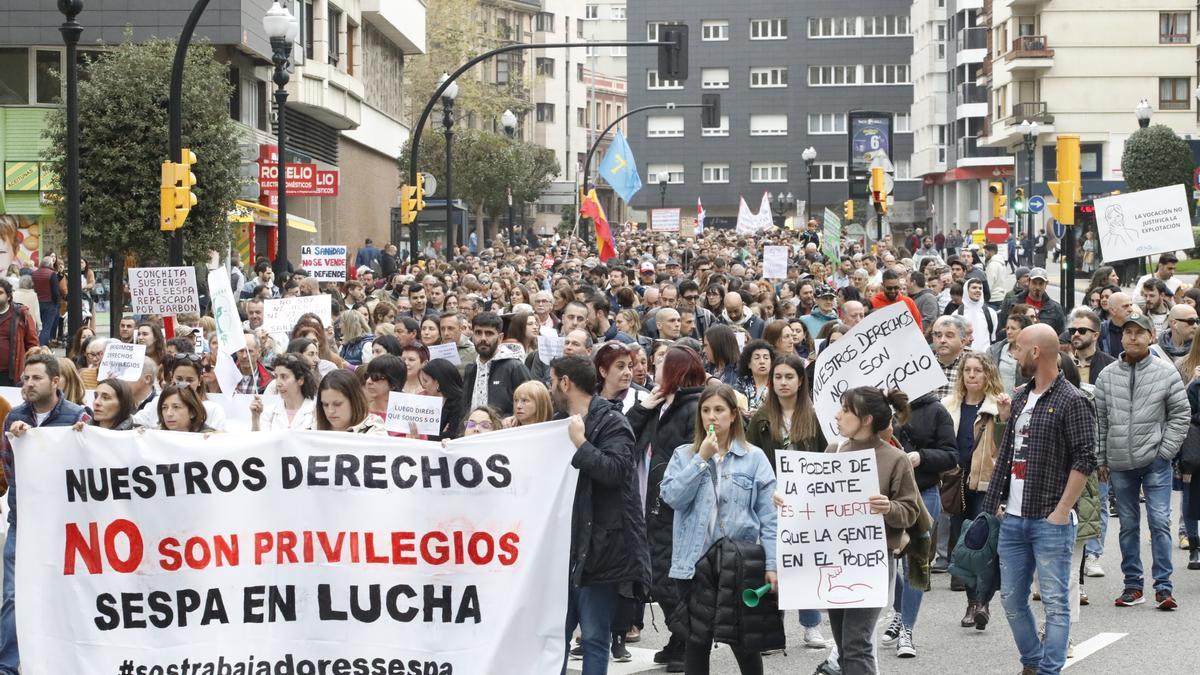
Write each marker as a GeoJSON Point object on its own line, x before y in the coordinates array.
{"type": "Point", "coordinates": [1107, 639]}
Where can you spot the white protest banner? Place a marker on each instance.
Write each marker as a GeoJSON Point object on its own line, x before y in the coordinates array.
{"type": "Point", "coordinates": [1136, 224]}
{"type": "Point", "coordinates": [293, 549]}
{"type": "Point", "coordinates": [424, 411]}
{"type": "Point", "coordinates": [550, 347]}
{"type": "Point", "coordinates": [324, 263]}
{"type": "Point", "coordinates": [664, 220]}
{"type": "Point", "coordinates": [832, 551]}
{"type": "Point", "coordinates": [122, 360]}
{"type": "Point", "coordinates": [280, 316]}
{"type": "Point", "coordinates": [225, 313]}
{"type": "Point", "coordinates": [749, 222]}
{"type": "Point", "coordinates": [775, 262]}
{"type": "Point", "coordinates": [448, 351]}
{"type": "Point", "coordinates": [884, 350]}
{"type": "Point", "coordinates": [165, 291]}
{"type": "Point", "coordinates": [227, 372]}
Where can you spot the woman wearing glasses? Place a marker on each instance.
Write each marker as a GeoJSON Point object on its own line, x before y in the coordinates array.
{"type": "Point", "coordinates": [187, 370]}
{"type": "Point", "coordinates": [481, 420]}
{"type": "Point", "coordinates": [297, 388]}
{"type": "Point", "coordinates": [383, 375]}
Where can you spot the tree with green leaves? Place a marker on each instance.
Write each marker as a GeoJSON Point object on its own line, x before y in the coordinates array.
{"type": "Point", "coordinates": [484, 167]}
{"type": "Point", "coordinates": [1156, 157]}
{"type": "Point", "coordinates": [123, 143]}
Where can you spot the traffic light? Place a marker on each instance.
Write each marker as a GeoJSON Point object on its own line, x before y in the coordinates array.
{"type": "Point", "coordinates": [848, 210]}
{"type": "Point", "coordinates": [1019, 200]}
{"type": "Point", "coordinates": [176, 198]}
{"type": "Point", "coordinates": [879, 189]}
{"type": "Point", "coordinates": [710, 114]}
{"type": "Point", "coordinates": [1067, 190]}
{"type": "Point", "coordinates": [408, 203]}
{"type": "Point", "coordinates": [673, 52]}
{"type": "Point", "coordinates": [999, 201]}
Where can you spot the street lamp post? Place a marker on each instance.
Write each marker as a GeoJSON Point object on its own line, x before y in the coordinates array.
{"type": "Point", "coordinates": [1142, 113]}
{"type": "Point", "coordinates": [779, 203]}
{"type": "Point", "coordinates": [282, 28]}
{"type": "Point", "coordinates": [175, 112]}
{"type": "Point", "coordinates": [71, 30]}
{"type": "Point", "coordinates": [664, 177]}
{"type": "Point", "coordinates": [448, 97]}
{"type": "Point", "coordinates": [809, 156]}
{"type": "Point", "coordinates": [509, 121]}
{"type": "Point", "coordinates": [1029, 136]}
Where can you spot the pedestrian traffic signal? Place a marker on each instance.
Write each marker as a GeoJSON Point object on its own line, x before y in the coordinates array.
{"type": "Point", "coordinates": [848, 210]}
{"type": "Point", "coordinates": [419, 195]}
{"type": "Point", "coordinates": [1019, 200]}
{"type": "Point", "coordinates": [176, 198]}
{"type": "Point", "coordinates": [408, 204]}
{"type": "Point", "coordinates": [673, 52]}
{"type": "Point", "coordinates": [999, 201]}
{"type": "Point", "coordinates": [879, 189]}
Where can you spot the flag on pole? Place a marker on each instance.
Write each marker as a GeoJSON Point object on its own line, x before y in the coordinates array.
{"type": "Point", "coordinates": [699, 216]}
{"type": "Point", "coordinates": [619, 170]}
{"type": "Point", "coordinates": [831, 238]}
{"type": "Point", "coordinates": [605, 244]}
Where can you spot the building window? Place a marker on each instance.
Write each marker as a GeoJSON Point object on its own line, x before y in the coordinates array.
{"type": "Point", "coordinates": [545, 112]}
{"type": "Point", "coordinates": [832, 26]}
{"type": "Point", "coordinates": [308, 30]}
{"type": "Point", "coordinates": [714, 30]}
{"type": "Point", "coordinates": [675, 171]}
{"type": "Point", "coordinates": [652, 82]}
{"type": "Point", "coordinates": [619, 51]}
{"type": "Point", "coordinates": [903, 169]}
{"type": "Point", "coordinates": [579, 72]}
{"type": "Point", "coordinates": [581, 117]}
{"type": "Point", "coordinates": [545, 66]}
{"type": "Point", "coordinates": [14, 76]}
{"type": "Point", "coordinates": [827, 123]}
{"type": "Point", "coordinates": [652, 28]}
{"type": "Point", "coordinates": [714, 78]}
{"type": "Point", "coordinates": [543, 22]}
{"type": "Point", "coordinates": [829, 171]}
{"type": "Point", "coordinates": [591, 50]}
{"type": "Point", "coordinates": [335, 43]}
{"type": "Point", "coordinates": [768, 172]}
{"type": "Point", "coordinates": [616, 12]}
{"type": "Point", "coordinates": [591, 12]}
{"type": "Point", "coordinates": [886, 74]}
{"type": "Point", "coordinates": [504, 65]}
{"type": "Point", "coordinates": [1174, 93]}
{"type": "Point", "coordinates": [664, 126]}
{"type": "Point", "coordinates": [831, 76]}
{"type": "Point", "coordinates": [722, 130]}
{"type": "Point", "coordinates": [768, 76]}
{"type": "Point", "coordinates": [884, 26]}
{"type": "Point", "coordinates": [903, 123]}
{"type": "Point", "coordinates": [763, 124]}
{"type": "Point", "coordinates": [1174, 28]}
{"type": "Point", "coordinates": [768, 29]}
{"type": "Point", "coordinates": [715, 173]}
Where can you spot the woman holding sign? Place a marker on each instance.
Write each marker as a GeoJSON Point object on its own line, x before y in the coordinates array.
{"type": "Point", "coordinates": [720, 487]}
{"type": "Point", "coordinates": [439, 377]}
{"type": "Point", "coordinates": [342, 406]}
{"type": "Point", "coordinates": [297, 388]}
{"type": "Point", "coordinates": [866, 414]}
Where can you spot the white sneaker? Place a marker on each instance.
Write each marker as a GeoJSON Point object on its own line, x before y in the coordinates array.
{"type": "Point", "coordinates": [1091, 567]}
{"type": "Point", "coordinates": [813, 638]}
{"type": "Point", "coordinates": [904, 645]}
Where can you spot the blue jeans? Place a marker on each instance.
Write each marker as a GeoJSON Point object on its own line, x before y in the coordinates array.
{"type": "Point", "coordinates": [49, 314]}
{"type": "Point", "coordinates": [1187, 525]}
{"type": "Point", "coordinates": [1037, 544]}
{"type": "Point", "coordinates": [810, 618]}
{"type": "Point", "coordinates": [908, 599]}
{"type": "Point", "coordinates": [1095, 547]}
{"type": "Point", "coordinates": [591, 608]}
{"type": "Point", "coordinates": [10, 659]}
{"type": "Point", "coordinates": [1154, 481]}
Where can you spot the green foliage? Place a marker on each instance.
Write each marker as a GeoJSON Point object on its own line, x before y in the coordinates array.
{"type": "Point", "coordinates": [484, 166]}
{"type": "Point", "coordinates": [123, 142]}
{"type": "Point", "coordinates": [1156, 157]}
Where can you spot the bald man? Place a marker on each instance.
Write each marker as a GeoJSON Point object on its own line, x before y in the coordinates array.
{"type": "Point", "coordinates": [1048, 451]}
{"type": "Point", "coordinates": [577, 343]}
{"type": "Point", "coordinates": [853, 312]}
{"type": "Point", "coordinates": [735, 314]}
{"type": "Point", "coordinates": [1176, 340]}
{"type": "Point", "coordinates": [669, 323]}
{"type": "Point", "coordinates": [1120, 307]}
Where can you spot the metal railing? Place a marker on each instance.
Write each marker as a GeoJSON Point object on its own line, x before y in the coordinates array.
{"type": "Point", "coordinates": [1034, 111]}
{"type": "Point", "coordinates": [972, 38]}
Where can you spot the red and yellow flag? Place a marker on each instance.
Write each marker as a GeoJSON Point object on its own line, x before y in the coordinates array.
{"type": "Point", "coordinates": [605, 244]}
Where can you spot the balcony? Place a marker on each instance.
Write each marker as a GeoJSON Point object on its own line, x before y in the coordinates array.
{"type": "Point", "coordinates": [972, 38]}
{"type": "Point", "coordinates": [1030, 52]}
{"type": "Point", "coordinates": [971, 93]}
{"type": "Point", "coordinates": [1034, 111]}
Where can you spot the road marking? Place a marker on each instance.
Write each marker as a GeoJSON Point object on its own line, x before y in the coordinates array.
{"type": "Point", "coordinates": [1092, 645]}
{"type": "Point", "coordinates": [643, 661]}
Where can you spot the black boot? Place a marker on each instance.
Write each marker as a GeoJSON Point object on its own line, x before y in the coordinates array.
{"type": "Point", "coordinates": [672, 652]}
{"type": "Point", "coordinates": [1194, 553]}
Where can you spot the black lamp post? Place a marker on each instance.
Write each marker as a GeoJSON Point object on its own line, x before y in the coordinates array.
{"type": "Point", "coordinates": [509, 121]}
{"type": "Point", "coordinates": [282, 28]}
{"type": "Point", "coordinates": [1029, 136]}
{"type": "Point", "coordinates": [71, 30]}
{"type": "Point", "coordinates": [448, 97]}
{"type": "Point", "coordinates": [809, 156]}
{"type": "Point", "coordinates": [664, 177]}
{"type": "Point", "coordinates": [779, 203]}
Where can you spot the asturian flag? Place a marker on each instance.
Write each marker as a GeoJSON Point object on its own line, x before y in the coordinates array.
{"type": "Point", "coordinates": [605, 244]}
{"type": "Point", "coordinates": [699, 216]}
{"type": "Point", "coordinates": [619, 170]}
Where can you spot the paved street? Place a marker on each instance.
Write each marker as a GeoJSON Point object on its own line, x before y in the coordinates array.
{"type": "Point", "coordinates": [1107, 639]}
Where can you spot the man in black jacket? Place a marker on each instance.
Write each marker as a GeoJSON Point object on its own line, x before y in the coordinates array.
{"type": "Point", "coordinates": [609, 558]}
{"type": "Point", "coordinates": [498, 371]}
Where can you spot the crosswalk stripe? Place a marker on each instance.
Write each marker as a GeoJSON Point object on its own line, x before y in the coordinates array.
{"type": "Point", "coordinates": [1092, 645]}
{"type": "Point", "coordinates": [643, 661]}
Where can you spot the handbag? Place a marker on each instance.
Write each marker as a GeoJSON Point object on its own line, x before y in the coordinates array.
{"type": "Point", "coordinates": [1189, 451]}
{"type": "Point", "coordinates": [953, 490]}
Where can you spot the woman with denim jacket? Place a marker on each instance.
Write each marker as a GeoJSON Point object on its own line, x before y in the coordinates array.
{"type": "Point", "coordinates": [720, 486]}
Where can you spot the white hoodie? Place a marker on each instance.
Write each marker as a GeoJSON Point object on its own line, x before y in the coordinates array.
{"type": "Point", "coordinates": [978, 315]}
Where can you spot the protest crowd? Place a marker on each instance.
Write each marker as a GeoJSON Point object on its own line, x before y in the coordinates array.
{"type": "Point", "coordinates": [686, 377]}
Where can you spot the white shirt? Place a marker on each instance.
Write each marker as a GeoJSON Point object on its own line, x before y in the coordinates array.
{"type": "Point", "coordinates": [275, 417]}
{"type": "Point", "coordinates": [1016, 487]}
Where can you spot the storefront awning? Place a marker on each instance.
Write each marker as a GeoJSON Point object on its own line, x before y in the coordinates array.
{"type": "Point", "coordinates": [245, 212]}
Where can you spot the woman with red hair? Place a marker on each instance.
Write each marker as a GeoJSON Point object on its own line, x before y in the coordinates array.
{"type": "Point", "coordinates": [662, 422]}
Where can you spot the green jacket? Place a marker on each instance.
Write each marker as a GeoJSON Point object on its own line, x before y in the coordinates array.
{"type": "Point", "coordinates": [1088, 509]}
{"type": "Point", "coordinates": [760, 435]}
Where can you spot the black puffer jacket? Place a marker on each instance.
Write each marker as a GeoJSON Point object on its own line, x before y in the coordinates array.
{"type": "Point", "coordinates": [714, 611]}
{"type": "Point", "coordinates": [675, 428]}
{"type": "Point", "coordinates": [608, 542]}
{"type": "Point", "coordinates": [929, 433]}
